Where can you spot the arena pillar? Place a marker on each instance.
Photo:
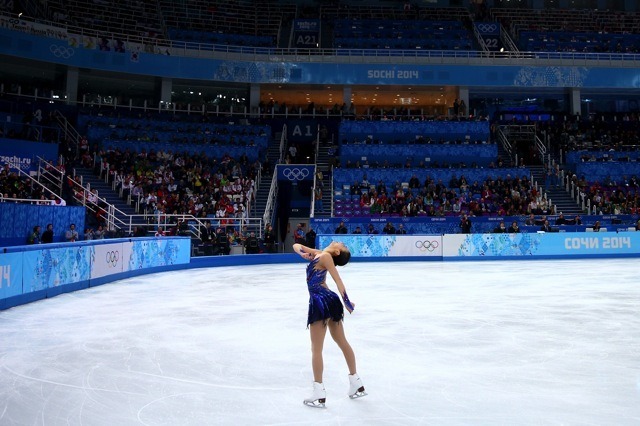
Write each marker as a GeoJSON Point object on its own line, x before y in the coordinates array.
{"type": "Point", "coordinates": [574, 101]}
{"type": "Point", "coordinates": [72, 85]}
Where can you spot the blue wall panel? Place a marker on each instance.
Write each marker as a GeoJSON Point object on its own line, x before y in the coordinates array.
{"type": "Point", "coordinates": [17, 221]}
{"type": "Point", "coordinates": [24, 154]}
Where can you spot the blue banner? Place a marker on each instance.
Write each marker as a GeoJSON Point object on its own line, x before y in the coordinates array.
{"type": "Point", "coordinates": [490, 34]}
{"type": "Point", "coordinates": [15, 43]}
{"type": "Point", "coordinates": [10, 275]}
{"type": "Point", "coordinates": [490, 246]}
{"type": "Point", "coordinates": [424, 246]}
{"type": "Point", "coordinates": [306, 33]}
{"type": "Point", "coordinates": [566, 244]}
{"type": "Point", "coordinates": [295, 172]}
{"type": "Point", "coordinates": [48, 268]}
{"type": "Point", "coordinates": [306, 25]}
{"type": "Point", "coordinates": [151, 253]}
{"type": "Point", "coordinates": [301, 130]}
{"type": "Point", "coordinates": [21, 154]}
{"type": "Point", "coordinates": [488, 28]}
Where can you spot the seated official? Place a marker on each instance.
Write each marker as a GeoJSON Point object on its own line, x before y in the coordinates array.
{"type": "Point", "coordinates": [251, 244]}
{"type": "Point", "coordinates": [500, 229]}
{"type": "Point", "coordinates": [546, 227]}
{"type": "Point", "coordinates": [222, 243]}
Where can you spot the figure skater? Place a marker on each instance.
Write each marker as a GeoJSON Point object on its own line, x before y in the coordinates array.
{"type": "Point", "coordinates": [325, 311]}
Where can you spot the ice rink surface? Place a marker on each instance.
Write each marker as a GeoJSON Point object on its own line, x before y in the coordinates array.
{"type": "Point", "coordinates": [437, 343]}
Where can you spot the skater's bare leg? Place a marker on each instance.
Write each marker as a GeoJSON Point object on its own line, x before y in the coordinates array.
{"type": "Point", "coordinates": [337, 333]}
{"type": "Point", "coordinates": [317, 330]}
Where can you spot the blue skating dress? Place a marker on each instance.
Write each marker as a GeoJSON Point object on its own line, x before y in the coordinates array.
{"type": "Point", "coordinates": [324, 304]}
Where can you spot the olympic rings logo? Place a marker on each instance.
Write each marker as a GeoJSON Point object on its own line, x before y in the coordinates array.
{"type": "Point", "coordinates": [487, 28]}
{"type": "Point", "coordinates": [112, 258]}
{"type": "Point", "coordinates": [427, 245]}
{"type": "Point", "coordinates": [61, 51]}
{"type": "Point", "coordinates": [295, 173]}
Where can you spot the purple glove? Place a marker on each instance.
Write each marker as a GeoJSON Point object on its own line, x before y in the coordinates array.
{"type": "Point", "coordinates": [347, 302]}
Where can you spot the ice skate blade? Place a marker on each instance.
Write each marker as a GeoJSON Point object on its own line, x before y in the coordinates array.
{"type": "Point", "coordinates": [359, 394]}
{"type": "Point", "coordinates": [318, 403]}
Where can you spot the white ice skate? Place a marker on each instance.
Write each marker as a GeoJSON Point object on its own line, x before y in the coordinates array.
{"type": "Point", "coordinates": [356, 389]}
{"type": "Point", "coordinates": [318, 397]}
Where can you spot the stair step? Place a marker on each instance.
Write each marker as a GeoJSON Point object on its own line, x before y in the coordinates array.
{"type": "Point", "coordinates": [106, 192]}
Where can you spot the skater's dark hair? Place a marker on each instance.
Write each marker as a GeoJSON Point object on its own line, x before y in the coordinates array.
{"type": "Point", "coordinates": [342, 258]}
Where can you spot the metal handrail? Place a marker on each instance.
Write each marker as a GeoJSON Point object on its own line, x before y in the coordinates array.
{"type": "Point", "coordinates": [542, 149]}
{"type": "Point", "coordinates": [507, 40]}
{"type": "Point", "coordinates": [481, 42]}
{"type": "Point", "coordinates": [273, 193]}
{"type": "Point", "coordinates": [50, 173]}
{"type": "Point", "coordinates": [251, 202]}
{"type": "Point", "coordinates": [315, 161]}
{"type": "Point", "coordinates": [81, 194]}
{"type": "Point", "coordinates": [273, 190]}
{"type": "Point", "coordinates": [70, 132]}
{"type": "Point", "coordinates": [502, 137]}
{"type": "Point", "coordinates": [40, 202]}
{"type": "Point", "coordinates": [47, 190]}
{"type": "Point", "coordinates": [283, 144]}
{"type": "Point", "coordinates": [217, 51]}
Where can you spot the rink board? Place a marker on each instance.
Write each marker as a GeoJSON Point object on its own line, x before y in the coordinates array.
{"type": "Point", "coordinates": [29, 273]}
{"type": "Point", "coordinates": [564, 245]}
{"type": "Point", "coordinates": [425, 247]}
{"type": "Point", "coordinates": [488, 246]}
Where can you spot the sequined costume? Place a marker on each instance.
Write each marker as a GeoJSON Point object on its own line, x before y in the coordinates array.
{"type": "Point", "coordinates": [324, 304]}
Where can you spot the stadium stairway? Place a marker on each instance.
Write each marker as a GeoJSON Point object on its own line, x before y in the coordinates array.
{"type": "Point", "coordinates": [262, 194]}
{"type": "Point", "coordinates": [504, 155]}
{"type": "Point", "coordinates": [105, 192]}
{"type": "Point", "coordinates": [323, 165]}
{"type": "Point", "coordinates": [558, 196]}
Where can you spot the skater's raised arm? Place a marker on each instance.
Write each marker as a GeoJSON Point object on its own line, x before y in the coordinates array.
{"type": "Point", "coordinates": [305, 252]}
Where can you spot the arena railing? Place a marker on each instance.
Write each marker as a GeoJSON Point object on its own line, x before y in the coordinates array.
{"type": "Point", "coordinates": [38, 202]}
{"type": "Point", "coordinates": [321, 55]}
{"type": "Point", "coordinates": [33, 181]}
{"type": "Point", "coordinates": [164, 224]}
{"type": "Point", "coordinates": [52, 176]}
{"type": "Point", "coordinates": [316, 148]}
{"type": "Point", "coordinates": [97, 205]}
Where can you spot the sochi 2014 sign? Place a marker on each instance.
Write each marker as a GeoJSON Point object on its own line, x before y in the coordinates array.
{"type": "Point", "coordinates": [23, 155]}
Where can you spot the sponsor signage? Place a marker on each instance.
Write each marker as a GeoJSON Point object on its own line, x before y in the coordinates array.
{"type": "Point", "coordinates": [107, 259]}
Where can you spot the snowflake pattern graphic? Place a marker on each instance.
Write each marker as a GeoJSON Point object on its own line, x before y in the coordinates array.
{"type": "Point", "coordinates": [499, 245]}
{"type": "Point", "coordinates": [551, 77]}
